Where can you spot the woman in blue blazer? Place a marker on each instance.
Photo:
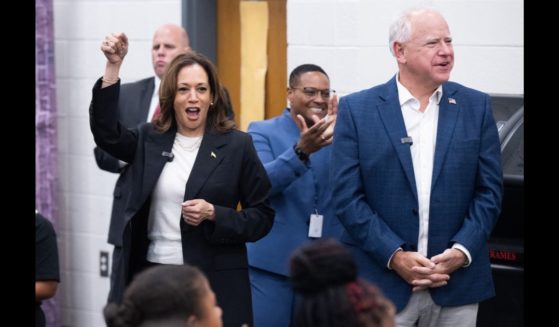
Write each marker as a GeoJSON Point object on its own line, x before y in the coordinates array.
{"type": "Point", "coordinates": [188, 172]}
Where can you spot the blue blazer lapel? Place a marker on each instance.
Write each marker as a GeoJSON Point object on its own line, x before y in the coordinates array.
{"type": "Point", "coordinates": [449, 108]}
{"type": "Point", "coordinates": [391, 115]}
{"type": "Point", "coordinates": [208, 158]}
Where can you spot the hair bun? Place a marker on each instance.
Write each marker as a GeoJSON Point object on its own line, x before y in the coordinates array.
{"type": "Point", "coordinates": [320, 265]}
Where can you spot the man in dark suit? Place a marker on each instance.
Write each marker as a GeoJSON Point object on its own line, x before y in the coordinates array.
{"type": "Point", "coordinates": [418, 180]}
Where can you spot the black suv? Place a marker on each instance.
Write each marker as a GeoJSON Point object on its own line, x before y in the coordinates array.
{"type": "Point", "coordinates": [506, 244]}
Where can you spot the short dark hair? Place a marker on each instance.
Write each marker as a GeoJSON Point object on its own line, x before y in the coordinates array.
{"type": "Point", "coordinates": [300, 70]}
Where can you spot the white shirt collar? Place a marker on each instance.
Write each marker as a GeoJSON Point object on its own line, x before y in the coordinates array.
{"type": "Point", "coordinates": [404, 94]}
{"type": "Point", "coordinates": [156, 83]}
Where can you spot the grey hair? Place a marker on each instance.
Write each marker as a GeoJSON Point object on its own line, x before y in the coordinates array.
{"type": "Point", "coordinates": [400, 29]}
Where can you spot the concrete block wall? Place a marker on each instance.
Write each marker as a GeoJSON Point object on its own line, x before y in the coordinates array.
{"type": "Point", "coordinates": [85, 191]}
{"type": "Point", "coordinates": [349, 39]}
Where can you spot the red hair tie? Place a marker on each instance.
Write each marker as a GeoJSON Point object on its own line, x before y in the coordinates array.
{"type": "Point", "coordinates": [360, 299]}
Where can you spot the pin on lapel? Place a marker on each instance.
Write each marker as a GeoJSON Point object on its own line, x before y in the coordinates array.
{"type": "Point", "coordinates": [213, 155]}
{"type": "Point", "coordinates": [451, 101]}
{"type": "Point", "coordinates": [407, 140]}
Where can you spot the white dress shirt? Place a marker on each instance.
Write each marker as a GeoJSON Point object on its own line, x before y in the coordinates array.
{"type": "Point", "coordinates": [165, 214]}
{"type": "Point", "coordinates": [422, 128]}
{"type": "Point", "coordinates": [154, 99]}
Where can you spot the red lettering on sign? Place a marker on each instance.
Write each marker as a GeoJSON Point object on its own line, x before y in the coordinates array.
{"type": "Point", "coordinates": [502, 255]}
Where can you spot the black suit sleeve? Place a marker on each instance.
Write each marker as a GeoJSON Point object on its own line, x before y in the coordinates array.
{"type": "Point", "coordinates": [105, 161]}
{"type": "Point", "coordinates": [108, 133]}
{"type": "Point", "coordinates": [133, 106]}
{"type": "Point", "coordinates": [256, 218]}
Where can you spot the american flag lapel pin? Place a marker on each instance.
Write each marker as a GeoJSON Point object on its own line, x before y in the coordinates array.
{"type": "Point", "coordinates": [451, 101]}
{"type": "Point", "coordinates": [213, 155]}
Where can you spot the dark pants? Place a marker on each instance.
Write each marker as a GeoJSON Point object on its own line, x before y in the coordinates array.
{"type": "Point", "coordinates": [115, 287]}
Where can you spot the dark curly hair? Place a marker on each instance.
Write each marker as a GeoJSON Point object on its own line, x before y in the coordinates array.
{"type": "Point", "coordinates": [325, 274]}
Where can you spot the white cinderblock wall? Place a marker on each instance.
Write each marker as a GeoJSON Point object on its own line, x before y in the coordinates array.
{"type": "Point", "coordinates": [85, 191]}
{"type": "Point", "coordinates": [348, 38]}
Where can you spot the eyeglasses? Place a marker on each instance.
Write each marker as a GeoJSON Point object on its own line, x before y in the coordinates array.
{"type": "Point", "coordinates": [311, 92]}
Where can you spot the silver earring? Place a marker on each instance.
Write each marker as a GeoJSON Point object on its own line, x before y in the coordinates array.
{"type": "Point", "coordinates": [211, 103]}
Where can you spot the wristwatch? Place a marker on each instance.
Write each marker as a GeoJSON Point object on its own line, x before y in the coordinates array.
{"type": "Point", "coordinates": [300, 154]}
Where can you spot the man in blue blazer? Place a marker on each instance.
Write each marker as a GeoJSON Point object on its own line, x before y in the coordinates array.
{"type": "Point", "coordinates": [294, 148]}
{"type": "Point", "coordinates": [418, 180]}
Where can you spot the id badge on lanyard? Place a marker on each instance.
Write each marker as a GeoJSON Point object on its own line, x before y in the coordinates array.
{"type": "Point", "coordinates": [315, 225]}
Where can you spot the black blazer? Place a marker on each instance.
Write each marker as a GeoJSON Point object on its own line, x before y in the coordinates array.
{"type": "Point", "coordinates": [133, 108]}
{"type": "Point", "coordinates": [226, 172]}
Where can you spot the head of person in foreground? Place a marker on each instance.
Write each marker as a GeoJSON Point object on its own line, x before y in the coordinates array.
{"type": "Point", "coordinates": [325, 274]}
{"type": "Point", "coordinates": [166, 293]}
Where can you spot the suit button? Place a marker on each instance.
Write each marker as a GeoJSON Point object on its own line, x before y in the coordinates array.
{"type": "Point", "coordinates": [414, 210]}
